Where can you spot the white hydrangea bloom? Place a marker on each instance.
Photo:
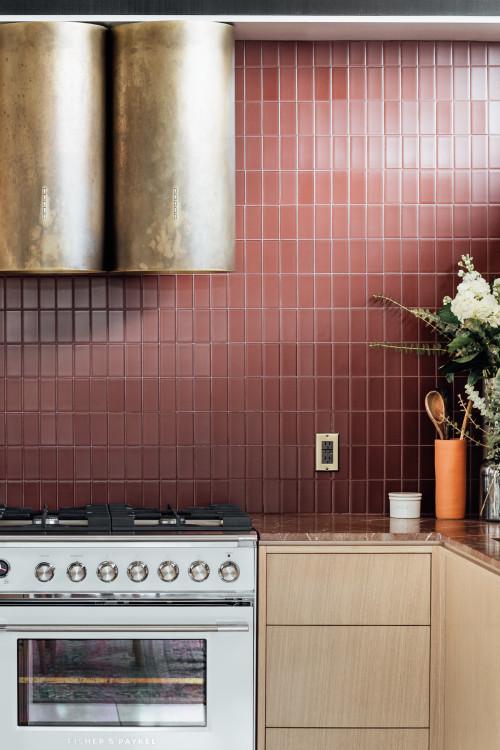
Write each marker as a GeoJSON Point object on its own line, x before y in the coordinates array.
{"type": "Point", "coordinates": [475, 299]}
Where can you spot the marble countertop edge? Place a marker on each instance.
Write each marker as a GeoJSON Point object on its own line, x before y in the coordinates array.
{"type": "Point", "coordinates": [472, 538]}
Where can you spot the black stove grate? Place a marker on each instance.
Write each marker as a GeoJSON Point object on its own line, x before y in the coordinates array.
{"type": "Point", "coordinates": [119, 518]}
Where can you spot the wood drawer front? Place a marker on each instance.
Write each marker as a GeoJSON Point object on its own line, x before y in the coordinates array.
{"type": "Point", "coordinates": [347, 676]}
{"type": "Point", "coordinates": [347, 739]}
{"type": "Point", "coordinates": [348, 589]}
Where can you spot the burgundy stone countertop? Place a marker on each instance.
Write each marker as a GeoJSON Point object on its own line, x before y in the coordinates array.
{"type": "Point", "coordinates": [470, 537]}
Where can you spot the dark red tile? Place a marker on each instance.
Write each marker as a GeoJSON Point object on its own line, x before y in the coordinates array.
{"type": "Point", "coordinates": [322, 83]}
{"type": "Point", "coordinates": [247, 359]}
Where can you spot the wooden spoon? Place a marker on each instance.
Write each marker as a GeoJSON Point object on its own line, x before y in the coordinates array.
{"type": "Point", "coordinates": [435, 408]}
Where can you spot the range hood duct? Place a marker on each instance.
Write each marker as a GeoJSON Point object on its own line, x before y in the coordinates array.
{"type": "Point", "coordinates": [174, 146]}
{"type": "Point", "coordinates": [52, 129]}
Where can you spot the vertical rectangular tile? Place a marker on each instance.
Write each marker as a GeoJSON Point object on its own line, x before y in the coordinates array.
{"type": "Point", "coordinates": [361, 168]}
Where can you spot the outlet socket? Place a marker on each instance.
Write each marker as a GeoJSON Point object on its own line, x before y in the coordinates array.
{"type": "Point", "coordinates": [327, 451]}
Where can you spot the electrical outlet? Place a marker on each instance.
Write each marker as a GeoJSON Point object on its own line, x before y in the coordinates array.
{"type": "Point", "coordinates": [327, 451]}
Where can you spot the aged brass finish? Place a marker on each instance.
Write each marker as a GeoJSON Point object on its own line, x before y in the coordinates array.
{"type": "Point", "coordinates": [173, 123]}
{"type": "Point", "coordinates": [52, 130]}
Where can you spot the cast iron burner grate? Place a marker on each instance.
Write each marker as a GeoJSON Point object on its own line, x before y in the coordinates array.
{"type": "Point", "coordinates": [119, 518]}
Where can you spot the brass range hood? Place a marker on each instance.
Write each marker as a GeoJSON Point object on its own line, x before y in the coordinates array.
{"type": "Point", "coordinates": [52, 128]}
{"type": "Point", "coordinates": [168, 164]}
{"type": "Point", "coordinates": [174, 146]}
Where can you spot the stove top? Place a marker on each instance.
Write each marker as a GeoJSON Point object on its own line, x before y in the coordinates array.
{"type": "Point", "coordinates": [118, 518]}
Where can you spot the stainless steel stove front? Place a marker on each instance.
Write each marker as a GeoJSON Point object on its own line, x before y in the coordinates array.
{"type": "Point", "coordinates": [127, 662]}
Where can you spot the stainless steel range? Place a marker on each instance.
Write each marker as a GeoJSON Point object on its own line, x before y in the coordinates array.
{"type": "Point", "coordinates": [127, 627]}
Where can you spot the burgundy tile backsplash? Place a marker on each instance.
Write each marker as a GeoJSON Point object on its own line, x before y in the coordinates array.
{"type": "Point", "coordinates": [361, 167]}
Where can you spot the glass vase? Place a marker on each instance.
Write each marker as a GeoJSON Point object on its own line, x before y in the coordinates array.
{"type": "Point", "coordinates": [489, 473]}
{"type": "Point", "coordinates": [489, 482]}
{"type": "Point", "coordinates": [488, 387]}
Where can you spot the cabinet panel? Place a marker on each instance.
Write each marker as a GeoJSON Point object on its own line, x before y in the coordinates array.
{"type": "Point", "coordinates": [348, 589]}
{"type": "Point", "coordinates": [347, 676]}
{"type": "Point", "coordinates": [472, 664]}
{"type": "Point", "coordinates": [347, 739]}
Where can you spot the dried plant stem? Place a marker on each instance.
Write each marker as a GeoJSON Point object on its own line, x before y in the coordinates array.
{"type": "Point", "coordinates": [465, 419]}
{"type": "Point", "coordinates": [413, 312]}
{"type": "Point", "coordinates": [410, 348]}
{"type": "Point", "coordinates": [473, 422]}
{"type": "Point", "coordinates": [467, 436]}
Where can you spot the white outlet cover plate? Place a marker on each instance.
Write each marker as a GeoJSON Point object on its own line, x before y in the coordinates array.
{"type": "Point", "coordinates": [321, 437]}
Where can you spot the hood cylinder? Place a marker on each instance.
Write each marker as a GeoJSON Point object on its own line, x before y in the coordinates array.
{"type": "Point", "coordinates": [52, 130]}
{"type": "Point", "coordinates": [174, 146]}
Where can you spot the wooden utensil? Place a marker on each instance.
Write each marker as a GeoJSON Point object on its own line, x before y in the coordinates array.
{"type": "Point", "coordinates": [435, 408]}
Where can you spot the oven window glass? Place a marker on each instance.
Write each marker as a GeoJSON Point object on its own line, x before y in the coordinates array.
{"type": "Point", "coordinates": [107, 683]}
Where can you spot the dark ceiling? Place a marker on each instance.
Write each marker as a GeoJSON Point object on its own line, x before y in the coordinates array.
{"type": "Point", "coordinates": [252, 7]}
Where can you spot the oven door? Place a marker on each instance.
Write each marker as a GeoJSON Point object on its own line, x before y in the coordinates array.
{"type": "Point", "coordinates": [176, 677]}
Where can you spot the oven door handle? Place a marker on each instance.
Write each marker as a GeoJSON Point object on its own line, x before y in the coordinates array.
{"type": "Point", "coordinates": [219, 627]}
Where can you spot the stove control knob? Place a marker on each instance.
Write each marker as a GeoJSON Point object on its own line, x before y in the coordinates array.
{"type": "Point", "coordinates": [4, 568]}
{"type": "Point", "coordinates": [77, 572]}
{"type": "Point", "coordinates": [168, 571]}
{"type": "Point", "coordinates": [229, 571]}
{"type": "Point", "coordinates": [44, 572]}
{"type": "Point", "coordinates": [137, 571]}
{"type": "Point", "coordinates": [199, 571]}
{"type": "Point", "coordinates": [107, 572]}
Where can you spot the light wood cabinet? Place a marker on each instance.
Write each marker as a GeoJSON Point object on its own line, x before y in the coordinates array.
{"type": "Point", "coordinates": [347, 739]}
{"type": "Point", "coordinates": [348, 589]}
{"type": "Point", "coordinates": [347, 676]}
{"type": "Point", "coordinates": [345, 648]}
{"type": "Point", "coordinates": [472, 647]}
{"type": "Point", "coordinates": [377, 648]}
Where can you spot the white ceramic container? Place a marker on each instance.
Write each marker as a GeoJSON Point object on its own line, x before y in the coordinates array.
{"type": "Point", "coordinates": [405, 504]}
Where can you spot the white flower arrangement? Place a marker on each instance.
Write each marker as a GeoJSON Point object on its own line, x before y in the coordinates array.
{"type": "Point", "coordinates": [467, 326]}
{"type": "Point", "coordinates": [475, 298]}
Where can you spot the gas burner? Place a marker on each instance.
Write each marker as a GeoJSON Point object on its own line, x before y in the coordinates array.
{"type": "Point", "coordinates": [118, 518]}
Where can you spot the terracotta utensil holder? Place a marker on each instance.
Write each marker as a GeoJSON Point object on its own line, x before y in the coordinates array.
{"type": "Point", "coordinates": [450, 461]}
